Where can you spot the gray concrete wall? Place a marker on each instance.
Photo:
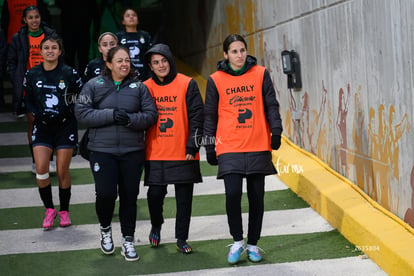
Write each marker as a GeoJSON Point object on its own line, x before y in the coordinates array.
{"type": "Point", "coordinates": [355, 107]}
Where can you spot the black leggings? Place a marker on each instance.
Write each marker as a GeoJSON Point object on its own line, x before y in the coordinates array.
{"type": "Point", "coordinates": [255, 194]}
{"type": "Point", "coordinates": [117, 175]}
{"type": "Point", "coordinates": [183, 199]}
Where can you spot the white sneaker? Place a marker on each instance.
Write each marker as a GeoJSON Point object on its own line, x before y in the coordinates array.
{"type": "Point", "coordinates": [33, 168]}
{"type": "Point", "coordinates": [52, 167]}
{"type": "Point", "coordinates": [128, 249]}
{"type": "Point", "coordinates": [107, 244]}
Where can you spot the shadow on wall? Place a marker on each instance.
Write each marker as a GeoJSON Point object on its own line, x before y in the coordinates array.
{"type": "Point", "coordinates": [196, 27]}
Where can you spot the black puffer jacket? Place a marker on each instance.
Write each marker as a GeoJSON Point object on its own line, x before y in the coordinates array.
{"type": "Point", "coordinates": [17, 58]}
{"type": "Point", "coordinates": [245, 163]}
{"type": "Point", "coordinates": [177, 172]}
{"type": "Point", "coordinates": [104, 134]}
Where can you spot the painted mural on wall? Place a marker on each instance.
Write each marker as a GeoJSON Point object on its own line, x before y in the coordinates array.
{"type": "Point", "coordinates": [347, 115]}
{"type": "Point", "coordinates": [371, 160]}
{"type": "Point", "coordinates": [369, 156]}
{"type": "Point", "coordinates": [336, 124]}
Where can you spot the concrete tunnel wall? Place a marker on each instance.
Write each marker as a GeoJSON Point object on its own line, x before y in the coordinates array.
{"type": "Point", "coordinates": [355, 108]}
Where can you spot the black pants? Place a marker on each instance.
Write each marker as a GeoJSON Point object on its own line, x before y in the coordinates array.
{"type": "Point", "coordinates": [255, 194]}
{"type": "Point", "coordinates": [183, 199]}
{"type": "Point", "coordinates": [117, 175]}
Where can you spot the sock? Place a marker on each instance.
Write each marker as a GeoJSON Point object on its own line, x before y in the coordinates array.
{"type": "Point", "coordinates": [46, 196]}
{"type": "Point", "coordinates": [105, 229]}
{"type": "Point", "coordinates": [239, 243]}
{"type": "Point", "coordinates": [64, 197]}
{"type": "Point", "coordinates": [251, 247]}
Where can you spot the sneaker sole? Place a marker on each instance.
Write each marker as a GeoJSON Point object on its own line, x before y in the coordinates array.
{"type": "Point", "coordinates": [108, 252]}
{"type": "Point", "coordinates": [258, 261]}
{"type": "Point", "coordinates": [183, 251]}
{"type": "Point", "coordinates": [129, 259]}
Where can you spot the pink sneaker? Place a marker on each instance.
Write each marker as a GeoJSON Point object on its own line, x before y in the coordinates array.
{"type": "Point", "coordinates": [50, 215]}
{"type": "Point", "coordinates": [64, 219]}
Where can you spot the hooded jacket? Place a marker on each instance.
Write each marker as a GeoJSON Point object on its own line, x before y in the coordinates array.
{"type": "Point", "coordinates": [242, 162]}
{"type": "Point", "coordinates": [17, 58]}
{"type": "Point", "coordinates": [163, 172]}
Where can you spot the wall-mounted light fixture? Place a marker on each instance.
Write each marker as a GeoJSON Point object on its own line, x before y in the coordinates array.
{"type": "Point", "coordinates": [291, 67]}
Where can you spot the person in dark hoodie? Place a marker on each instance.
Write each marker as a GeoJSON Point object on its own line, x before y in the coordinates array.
{"type": "Point", "coordinates": [24, 53]}
{"type": "Point", "coordinates": [11, 14]}
{"type": "Point", "coordinates": [172, 144]}
{"type": "Point", "coordinates": [241, 113]}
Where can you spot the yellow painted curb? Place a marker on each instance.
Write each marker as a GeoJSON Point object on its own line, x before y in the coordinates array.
{"type": "Point", "coordinates": [384, 237]}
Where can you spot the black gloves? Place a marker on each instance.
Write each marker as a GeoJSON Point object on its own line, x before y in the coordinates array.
{"type": "Point", "coordinates": [121, 117]}
{"type": "Point", "coordinates": [275, 143]}
{"type": "Point", "coordinates": [211, 155]}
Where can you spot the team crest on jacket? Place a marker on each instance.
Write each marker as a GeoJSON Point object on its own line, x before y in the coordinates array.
{"type": "Point", "coordinates": [62, 84]}
{"type": "Point", "coordinates": [133, 85]}
{"type": "Point", "coordinates": [96, 167]}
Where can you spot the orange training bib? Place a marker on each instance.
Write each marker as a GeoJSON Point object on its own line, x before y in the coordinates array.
{"type": "Point", "coordinates": [242, 124]}
{"type": "Point", "coordinates": [167, 139]}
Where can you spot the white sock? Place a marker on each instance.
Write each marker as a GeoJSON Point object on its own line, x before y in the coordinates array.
{"type": "Point", "coordinates": [239, 243]}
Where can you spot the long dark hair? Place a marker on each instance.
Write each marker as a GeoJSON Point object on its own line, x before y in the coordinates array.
{"type": "Point", "coordinates": [230, 39]}
{"type": "Point", "coordinates": [27, 9]}
{"type": "Point", "coordinates": [111, 53]}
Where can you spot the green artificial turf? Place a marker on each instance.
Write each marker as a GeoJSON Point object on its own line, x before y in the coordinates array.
{"type": "Point", "coordinates": [206, 254]}
{"type": "Point", "coordinates": [16, 180]}
{"type": "Point", "coordinates": [203, 205]}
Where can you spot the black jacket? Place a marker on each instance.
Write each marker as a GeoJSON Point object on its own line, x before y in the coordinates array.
{"type": "Point", "coordinates": [5, 15]}
{"type": "Point", "coordinates": [17, 58]}
{"type": "Point", "coordinates": [245, 162]}
{"type": "Point", "coordinates": [93, 69]}
{"type": "Point", "coordinates": [176, 172]}
{"type": "Point", "coordinates": [104, 134]}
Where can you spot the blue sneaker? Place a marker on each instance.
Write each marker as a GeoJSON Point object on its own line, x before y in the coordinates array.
{"type": "Point", "coordinates": [253, 253]}
{"type": "Point", "coordinates": [236, 249]}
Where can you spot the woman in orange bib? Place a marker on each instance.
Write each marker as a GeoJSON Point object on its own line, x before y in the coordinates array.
{"type": "Point", "coordinates": [242, 125]}
{"type": "Point", "coordinates": [172, 144]}
{"type": "Point", "coordinates": [23, 53]}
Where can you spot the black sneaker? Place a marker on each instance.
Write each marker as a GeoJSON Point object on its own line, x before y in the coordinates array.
{"type": "Point", "coordinates": [107, 244]}
{"type": "Point", "coordinates": [128, 249]}
{"type": "Point", "coordinates": [184, 247]}
{"type": "Point", "coordinates": [155, 236]}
